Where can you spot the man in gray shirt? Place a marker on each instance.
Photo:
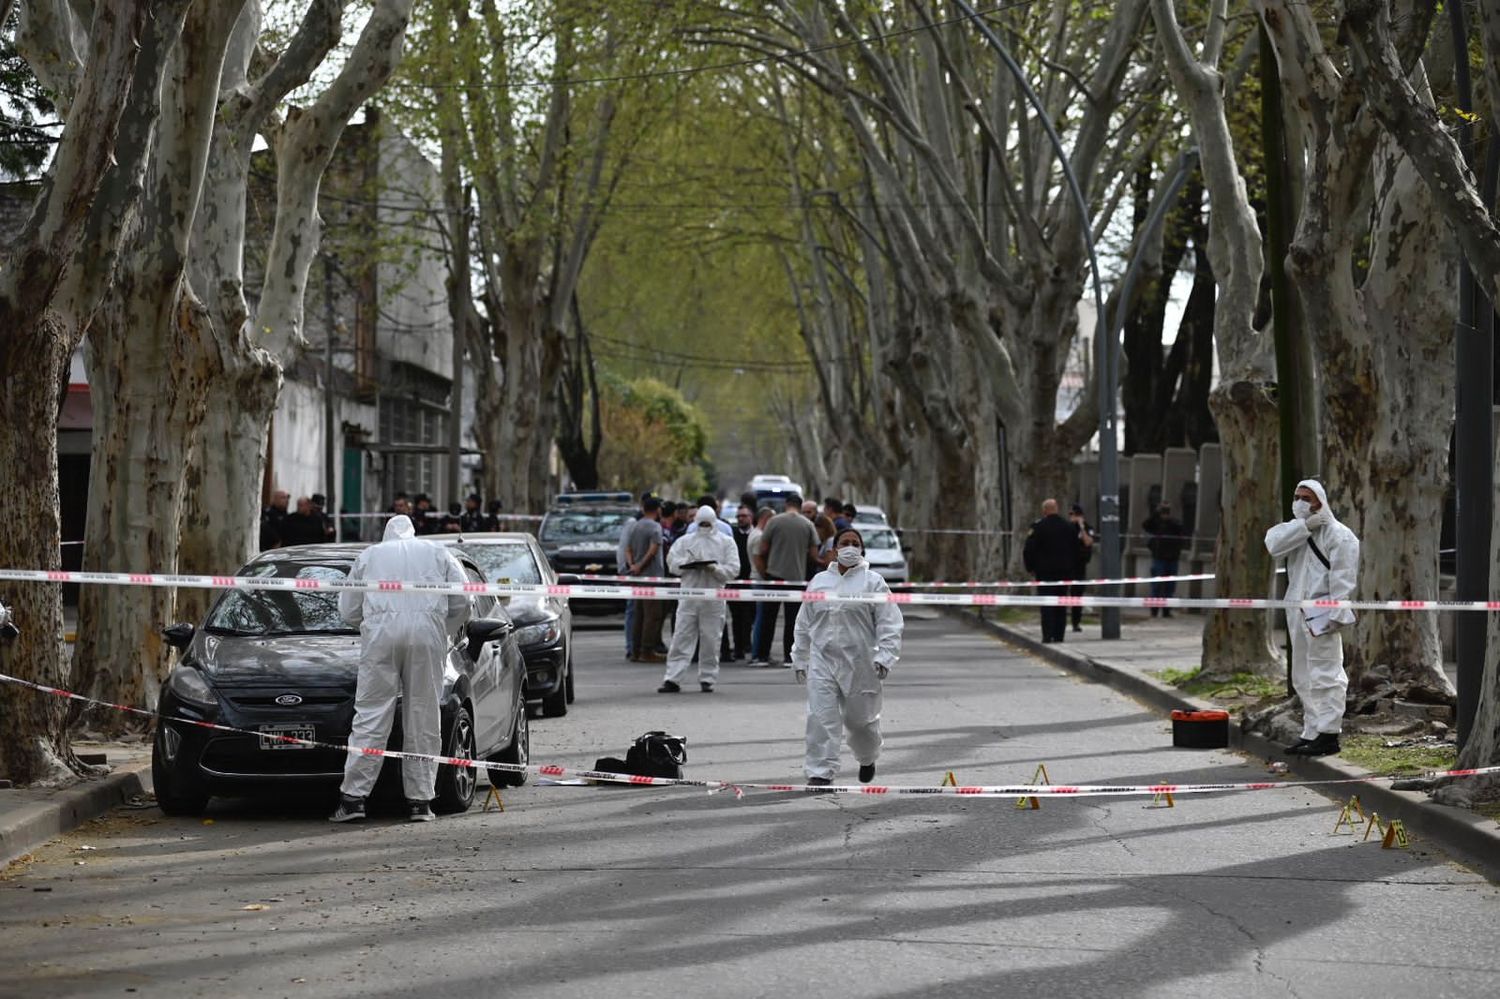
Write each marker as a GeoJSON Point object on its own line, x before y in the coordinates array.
{"type": "Point", "coordinates": [786, 546]}
{"type": "Point", "coordinates": [643, 558]}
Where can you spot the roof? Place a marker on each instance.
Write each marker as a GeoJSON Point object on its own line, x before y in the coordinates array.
{"type": "Point", "coordinates": [484, 538]}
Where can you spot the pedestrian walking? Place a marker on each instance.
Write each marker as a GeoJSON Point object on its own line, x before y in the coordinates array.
{"type": "Point", "coordinates": [1166, 538]}
{"type": "Point", "coordinates": [787, 544]}
{"type": "Point", "coordinates": [404, 640]}
{"type": "Point", "coordinates": [1086, 538]}
{"type": "Point", "coordinates": [1051, 554]}
{"type": "Point", "coordinates": [1322, 563]}
{"type": "Point", "coordinates": [644, 558]}
{"type": "Point", "coordinates": [705, 559]}
{"type": "Point", "coordinates": [843, 652]}
{"type": "Point", "coordinates": [763, 611]}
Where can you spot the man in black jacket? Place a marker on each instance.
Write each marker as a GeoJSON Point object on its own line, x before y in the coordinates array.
{"type": "Point", "coordinates": [1051, 553]}
{"type": "Point", "coordinates": [1167, 538]}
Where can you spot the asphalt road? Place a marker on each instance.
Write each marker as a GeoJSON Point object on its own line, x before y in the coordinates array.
{"type": "Point", "coordinates": [581, 891]}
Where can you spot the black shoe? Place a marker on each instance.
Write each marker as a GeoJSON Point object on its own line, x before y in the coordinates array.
{"type": "Point", "coordinates": [819, 782]}
{"type": "Point", "coordinates": [1155, 611]}
{"type": "Point", "coordinates": [1326, 744]}
{"type": "Point", "coordinates": [1297, 746]}
{"type": "Point", "coordinates": [668, 687]}
{"type": "Point", "coordinates": [1166, 612]}
{"type": "Point", "coordinates": [1077, 628]}
{"type": "Point", "coordinates": [419, 811]}
{"type": "Point", "coordinates": [349, 810]}
{"type": "Point", "coordinates": [866, 772]}
{"type": "Point", "coordinates": [707, 688]}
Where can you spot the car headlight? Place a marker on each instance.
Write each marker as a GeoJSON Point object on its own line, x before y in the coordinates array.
{"type": "Point", "coordinates": [190, 685]}
{"type": "Point", "coordinates": [539, 634]}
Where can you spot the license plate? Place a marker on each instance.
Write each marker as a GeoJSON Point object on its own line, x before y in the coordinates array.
{"type": "Point", "coordinates": [269, 736]}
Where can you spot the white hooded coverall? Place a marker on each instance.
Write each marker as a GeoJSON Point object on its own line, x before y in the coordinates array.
{"type": "Point", "coordinates": [839, 645]}
{"type": "Point", "coordinates": [700, 622]}
{"type": "Point", "coordinates": [1317, 650]}
{"type": "Point", "coordinates": [405, 639]}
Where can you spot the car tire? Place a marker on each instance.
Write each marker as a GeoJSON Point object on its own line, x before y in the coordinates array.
{"type": "Point", "coordinates": [455, 785]}
{"type": "Point", "coordinates": [178, 793]}
{"type": "Point", "coordinates": [518, 753]}
{"type": "Point", "coordinates": [555, 704]}
{"type": "Point", "coordinates": [569, 681]}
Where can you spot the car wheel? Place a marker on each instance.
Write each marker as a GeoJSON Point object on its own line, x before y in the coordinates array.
{"type": "Point", "coordinates": [518, 753]}
{"type": "Point", "coordinates": [569, 683]}
{"type": "Point", "coordinates": [555, 704]}
{"type": "Point", "coordinates": [455, 785]}
{"type": "Point", "coordinates": [178, 792]}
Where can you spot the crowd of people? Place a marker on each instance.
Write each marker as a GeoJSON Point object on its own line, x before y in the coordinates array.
{"type": "Point", "coordinates": [311, 524]}
{"type": "Point", "coordinates": [842, 652]}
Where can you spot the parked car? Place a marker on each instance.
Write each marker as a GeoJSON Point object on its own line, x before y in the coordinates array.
{"type": "Point", "coordinates": [580, 534]}
{"type": "Point", "coordinates": [544, 624]}
{"type": "Point", "coordinates": [869, 515]}
{"type": "Point", "coordinates": [883, 552]}
{"type": "Point", "coordinates": [282, 662]}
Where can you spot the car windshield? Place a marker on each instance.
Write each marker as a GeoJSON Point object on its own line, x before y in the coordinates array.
{"type": "Point", "coordinates": [580, 525]}
{"type": "Point", "coordinates": [881, 541]}
{"type": "Point", "coordinates": [281, 612]}
{"type": "Point", "coordinates": [507, 563]}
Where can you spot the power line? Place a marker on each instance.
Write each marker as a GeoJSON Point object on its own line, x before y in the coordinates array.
{"type": "Point", "coordinates": [712, 67]}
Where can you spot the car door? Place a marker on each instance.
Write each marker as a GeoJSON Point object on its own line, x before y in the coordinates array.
{"type": "Point", "coordinates": [486, 677]}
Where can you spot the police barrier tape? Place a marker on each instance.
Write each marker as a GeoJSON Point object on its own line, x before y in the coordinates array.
{"type": "Point", "coordinates": [739, 787]}
{"type": "Point", "coordinates": [970, 585]}
{"type": "Point", "coordinates": [598, 591]}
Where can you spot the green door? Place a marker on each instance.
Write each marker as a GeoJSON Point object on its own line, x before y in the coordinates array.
{"type": "Point", "coordinates": [352, 496]}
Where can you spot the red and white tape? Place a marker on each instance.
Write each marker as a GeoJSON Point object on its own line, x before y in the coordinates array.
{"type": "Point", "coordinates": [596, 591]}
{"type": "Point", "coordinates": [969, 585]}
{"type": "Point", "coordinates": [739, 787]}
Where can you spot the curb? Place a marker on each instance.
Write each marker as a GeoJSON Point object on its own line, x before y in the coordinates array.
{"type": "Point", "coordinates": [27, 826]}
{"type": "Point", "coordinates": [1473, 839]}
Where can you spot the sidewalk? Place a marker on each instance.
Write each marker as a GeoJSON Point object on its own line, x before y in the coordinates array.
{"type": "Point", "coordinates": [1154, 644]}
{"type": "Point", "coordinates": [30, 817]}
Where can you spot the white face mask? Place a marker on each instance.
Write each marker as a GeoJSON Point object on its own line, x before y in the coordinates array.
{"type": "Point", "coordinates": [850, 556]}
{"type": "Point", "coordinates": [1301, 509]}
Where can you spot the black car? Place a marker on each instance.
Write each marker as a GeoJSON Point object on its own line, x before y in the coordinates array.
{"type": "Point", "coordinates": [544, 624]}
{"type": "Point", "coordinates": [284, 663]}
{"type": "Point", "coordinates": [580, 535]}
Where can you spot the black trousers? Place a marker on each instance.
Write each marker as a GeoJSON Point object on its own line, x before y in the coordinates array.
{"type": "Point", "coordinates": [1054, 619]}
{"type": "Point", "coordinates": [741, 621]}
{"type": "Point", "coordinates": [1077, 591]}
{"type": "Point", "coordinates": [788, 630]}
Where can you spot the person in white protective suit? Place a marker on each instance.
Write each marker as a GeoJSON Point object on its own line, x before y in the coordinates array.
{"type": "Point", "coordinates": [404, 639]}
{"type": "Point", "coordinates": [707, 559]}
{"type": "Point", "coordinates": [843, 651]}
{"type": "Point", "coordinates": [1322, 563]}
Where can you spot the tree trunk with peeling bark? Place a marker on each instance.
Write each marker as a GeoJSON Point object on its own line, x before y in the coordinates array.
{"type": "Point", "coordinates": [147, 382]}
{"type": "Point", "coordinates": [1376, 280]}
{"type": "Point", "coordinates": [247, 354]}
{"type": "Point", "coordinates": [53, 276]}
{"type": "Point", "coordinates": [1244, 409]}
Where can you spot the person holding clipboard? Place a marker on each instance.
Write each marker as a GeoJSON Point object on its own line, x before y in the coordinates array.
{"type": "Point", "coordinates": [704, 559]}
{"type": "Point", "coordinates": [1322, 563]}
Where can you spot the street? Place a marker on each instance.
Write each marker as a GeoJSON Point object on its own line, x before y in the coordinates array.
{"type": "Point", "coordinates": [576, 891]}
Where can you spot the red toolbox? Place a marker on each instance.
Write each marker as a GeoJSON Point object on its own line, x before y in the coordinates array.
{"type": "Point", "coordinates": [1200, 729]}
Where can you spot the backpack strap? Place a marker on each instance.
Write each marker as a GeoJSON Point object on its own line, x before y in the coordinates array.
{"type": "Point", "coordinates": [1318, 552]}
